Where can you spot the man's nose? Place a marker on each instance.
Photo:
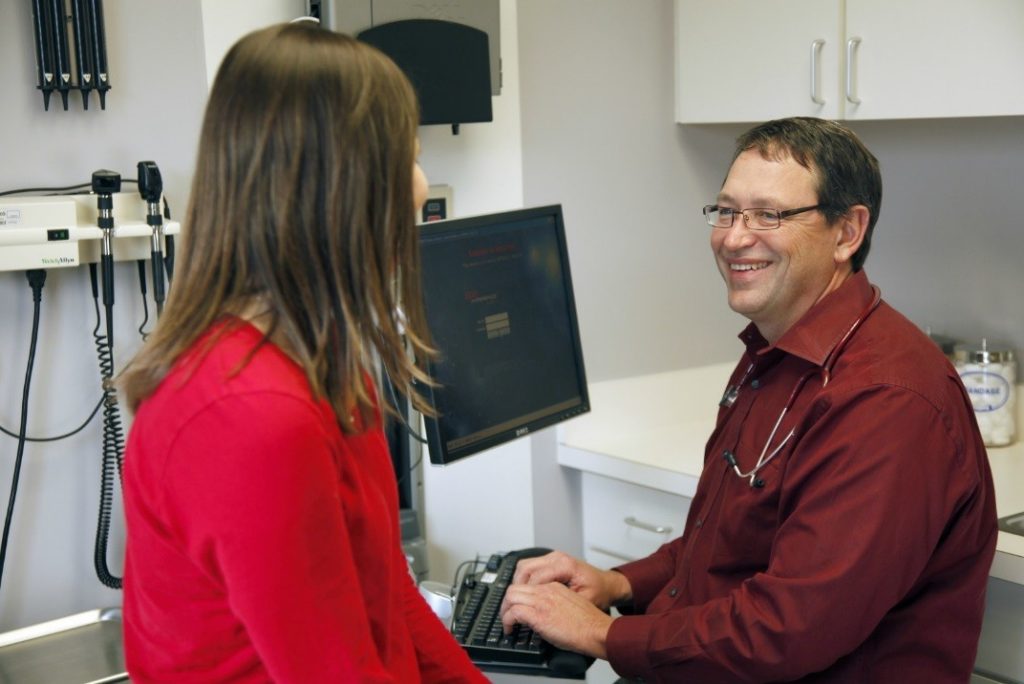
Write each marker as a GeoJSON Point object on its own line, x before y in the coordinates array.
{"type": "Point", "coordinates": [738, 234]}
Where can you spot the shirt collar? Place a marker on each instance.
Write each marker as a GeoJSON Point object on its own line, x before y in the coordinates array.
{"type": "Point", "coordinates": [819, 330]}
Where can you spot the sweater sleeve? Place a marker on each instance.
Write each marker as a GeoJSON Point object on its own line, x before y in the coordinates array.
{"type": "Point", "coordinates": [252, 493]}
{"type": "Point", "coordinates": [441, 659]}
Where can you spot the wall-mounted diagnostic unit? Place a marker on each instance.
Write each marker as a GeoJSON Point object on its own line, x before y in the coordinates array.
{"type": "Point", "coordinates": [63, 230]}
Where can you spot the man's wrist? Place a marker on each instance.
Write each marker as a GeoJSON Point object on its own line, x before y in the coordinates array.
{"type": "Point", "coordinates": [600, 643]}
{"type": "Point", "coordinates": [620, 591]}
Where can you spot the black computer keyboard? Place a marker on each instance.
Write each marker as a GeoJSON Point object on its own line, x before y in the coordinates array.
{"type": "Point", "coordinates": [476, 624]}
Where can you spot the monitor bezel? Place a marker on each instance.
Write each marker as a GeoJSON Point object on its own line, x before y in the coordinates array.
{"type": "Point", "coordinates": [438, 451]}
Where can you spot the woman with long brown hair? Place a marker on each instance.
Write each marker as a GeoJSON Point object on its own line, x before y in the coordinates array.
{"type": "Point", "coordinates": [261, 506]}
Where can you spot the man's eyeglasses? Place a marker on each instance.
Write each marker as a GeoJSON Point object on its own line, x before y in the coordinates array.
{"type": "Point", "coordinates": [755, 218]}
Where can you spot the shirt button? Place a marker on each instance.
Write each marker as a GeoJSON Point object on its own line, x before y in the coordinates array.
{"type": "Point", "coordinates": [699, 523]}
{"type": "Point", "coordinates": [672, 592]}
{"type": "Point", "coordinates": [755, 383]}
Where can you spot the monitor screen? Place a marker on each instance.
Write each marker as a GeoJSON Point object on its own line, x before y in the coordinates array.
{"type": "Point", "coordinates": [500, 307]}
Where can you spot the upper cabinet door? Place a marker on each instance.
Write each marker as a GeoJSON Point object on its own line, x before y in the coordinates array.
{"type": "Point", "coordinates": [753, 60]}
{"type": "Point", "coordinates": [922, 58]}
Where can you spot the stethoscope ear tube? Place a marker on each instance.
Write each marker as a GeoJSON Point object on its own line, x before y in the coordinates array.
{"type": "Point", "coordinates": [824, 372]}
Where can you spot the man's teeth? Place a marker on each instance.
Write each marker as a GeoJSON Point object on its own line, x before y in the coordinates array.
{"type": "Point", "coordinates": [748, 267]}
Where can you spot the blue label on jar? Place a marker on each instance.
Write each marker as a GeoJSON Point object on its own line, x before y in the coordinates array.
{"type": "Point", "coordinates": [988, 391]}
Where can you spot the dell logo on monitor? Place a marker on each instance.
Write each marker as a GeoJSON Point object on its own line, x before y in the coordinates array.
{"type": "Point", "coordinates": [522, 431]}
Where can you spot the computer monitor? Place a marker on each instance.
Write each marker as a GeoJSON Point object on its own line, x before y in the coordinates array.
{"type": "Point", "coordinates": [500, 307]}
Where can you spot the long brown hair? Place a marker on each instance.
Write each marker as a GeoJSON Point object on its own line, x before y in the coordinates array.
{"type": "Point", "coordinates": [302, 202]}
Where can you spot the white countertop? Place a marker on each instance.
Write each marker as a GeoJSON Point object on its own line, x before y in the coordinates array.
{"type": "Point", "coordinates": [651, 430]}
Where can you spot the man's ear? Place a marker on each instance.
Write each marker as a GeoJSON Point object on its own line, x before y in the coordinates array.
{"type": "Point", "coordinates": [853, 227]}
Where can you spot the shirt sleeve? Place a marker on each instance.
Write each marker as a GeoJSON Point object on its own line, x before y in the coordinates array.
{"type": "Point", "coordinates": [253, 493]}
{"type": "Point", "coordinates": [648, 575]}
{"type": "Point", "coordinates": [869, 493]}
{"type": "Point", "coordinates": [441, 659]}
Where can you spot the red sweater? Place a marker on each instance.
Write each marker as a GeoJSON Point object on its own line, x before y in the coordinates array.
{"type": "Point", "coordinates": [263, 543]}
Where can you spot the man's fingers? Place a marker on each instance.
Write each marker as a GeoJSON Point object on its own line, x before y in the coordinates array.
{"type": "Point", "coordinates": [558, 614]}
{"type": "Point", "coordinates": [512, 617]}
{"type": "Point", "coordinates": [515, 607]}
{"type": "Point", "coordinates": [552, 567]}
{"type": "Point", "coordinates": [529, 570]}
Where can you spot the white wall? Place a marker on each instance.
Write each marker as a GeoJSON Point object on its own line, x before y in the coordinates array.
{"type": "Point", "coordinates": [225, 21]}
{"type": "Point", "coordinates": [599, 137]}
{"type": "Point", "coordinates": [153, 111]}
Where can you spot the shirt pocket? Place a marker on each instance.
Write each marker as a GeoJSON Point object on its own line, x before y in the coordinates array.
{"type": "Point", "coordinates": [748, 519]}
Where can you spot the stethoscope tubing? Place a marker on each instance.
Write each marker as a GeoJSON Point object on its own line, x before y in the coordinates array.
{"type": "Point", "coordinates": [824, 371]}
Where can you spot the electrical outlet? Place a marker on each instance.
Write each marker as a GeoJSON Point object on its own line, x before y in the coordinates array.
{"type": "Point", "coordinates": [439, 204]}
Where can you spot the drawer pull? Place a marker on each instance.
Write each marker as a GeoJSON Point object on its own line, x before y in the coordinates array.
{"type": "Point", "coordinates": [613, 554]}
{"type": "Point", "coordinates": [659, 529]}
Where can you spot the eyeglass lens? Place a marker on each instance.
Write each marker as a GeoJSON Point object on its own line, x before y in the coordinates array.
{"type": "Point", "coordinates": [755, 218]}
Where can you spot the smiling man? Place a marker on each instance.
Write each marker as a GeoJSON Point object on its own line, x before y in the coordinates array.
{"type": "Point", "coordinates": [844, 523]}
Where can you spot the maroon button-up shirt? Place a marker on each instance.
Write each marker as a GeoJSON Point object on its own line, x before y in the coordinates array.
{"type": "Point", "coordinates": [864, 555]}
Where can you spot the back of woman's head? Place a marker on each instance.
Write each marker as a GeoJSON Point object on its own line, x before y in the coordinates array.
{"type": "Point", "coordinates": [302, 204]}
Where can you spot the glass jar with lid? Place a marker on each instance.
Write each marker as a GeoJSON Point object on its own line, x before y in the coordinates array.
{"type": "Point", "coordinates": [989, 372]}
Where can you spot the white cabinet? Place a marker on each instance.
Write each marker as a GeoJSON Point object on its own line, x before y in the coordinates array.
{"type": "Point", "coordinates": [920, 58]}
{"type": "Point", "coordinates": [752, 60]}
{"type": "Point", "coordinates": [623, 521]}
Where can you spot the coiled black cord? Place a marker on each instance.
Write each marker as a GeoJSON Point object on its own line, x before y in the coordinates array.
{"type": "Point", "coordinates": [113, 443]}
{"type": "Point", "coordinates": [36, 278]}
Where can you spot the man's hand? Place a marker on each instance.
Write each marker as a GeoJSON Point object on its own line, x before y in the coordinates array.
{"type": "Point", "coordinates": [603, 588]}
{"type": "Point", "coordinates": [562, 616]}
{"type": "Point", "coordinates": [564, 599]}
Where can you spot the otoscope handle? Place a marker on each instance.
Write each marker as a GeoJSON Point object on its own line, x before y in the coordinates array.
{"type": "Point", "coordinates": [169, 261]}
{"type": "Point", "coordinates": [107, 270]}
{"type": "Point", "coordinates": [158, 281]}
{"type": "Point", "coordinates": [107, 275]}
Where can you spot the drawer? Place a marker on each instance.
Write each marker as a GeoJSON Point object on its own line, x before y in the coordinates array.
{"type": "Point", "coordinates": [623, 521]}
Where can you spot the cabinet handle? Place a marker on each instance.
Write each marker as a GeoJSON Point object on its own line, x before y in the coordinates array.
{"type": "Point", "coordinates": [815, 63]}
{"type": "Point", "coordinates": [851, 51]}
{"type": "Point", "coordinates": [613, 554]}
{"type": "Point", "coordinates": [660, 529]}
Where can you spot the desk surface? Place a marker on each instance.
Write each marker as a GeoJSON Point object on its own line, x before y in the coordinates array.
{"type": "Point", "coordinates": [651, 430]}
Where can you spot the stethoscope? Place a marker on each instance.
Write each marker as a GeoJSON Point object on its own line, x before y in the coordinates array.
{"type": "Point", "coordinates": [824, 371]}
